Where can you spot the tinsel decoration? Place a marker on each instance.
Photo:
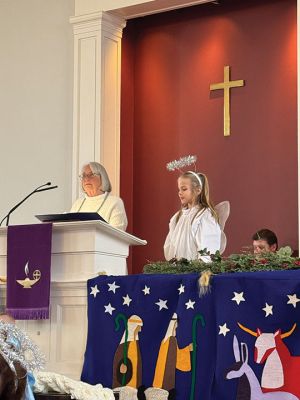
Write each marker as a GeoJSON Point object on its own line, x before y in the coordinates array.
{"type": "Point", "coordinates": [16, 346]}
{"type": "Point", "coordinates": [204, 282]}
{"type": "Point", "coordinates": [181, 163]}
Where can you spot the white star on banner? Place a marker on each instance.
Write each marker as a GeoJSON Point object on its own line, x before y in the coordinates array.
{"type": "Point", "coordinates": [162, 304]}
{"type": "Point", "coordinates": [190, 304]}
{"type": "Point", "coordinates": [94, 290]}
{"type": "Point", "coordinates": [223, 329]}
{"type": "Point", "coordinates": [113, 287]}
{"type": "Point", "coordinates": [268, 310]}
{"type": "Point", "coordinates": [181, 289]}
{"type": "Point", "coordinates": [238, 297]}
{"type": "Point", "coordinates": [293, 299]}
{"type": "Point", "coordinates": [109, 309]}
{"type": "Point", "coordinates": [127, 300]}
{"type": "Point", "coordinates": [146, 290]}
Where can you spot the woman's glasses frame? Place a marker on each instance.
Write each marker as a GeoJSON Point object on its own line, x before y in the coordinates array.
{"type": "Point", "coordinates": [88, 176]}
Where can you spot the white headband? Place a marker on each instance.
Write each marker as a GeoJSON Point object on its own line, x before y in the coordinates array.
{"type": "Point", "coordinates": [197, 176]}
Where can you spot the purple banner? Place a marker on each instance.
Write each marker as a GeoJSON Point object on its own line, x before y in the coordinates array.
{"type": "Point", "coordinates": [28, 271]}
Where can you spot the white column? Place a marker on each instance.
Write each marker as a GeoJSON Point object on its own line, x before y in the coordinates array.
{"type": "Point", "coordinates": [96, 113]}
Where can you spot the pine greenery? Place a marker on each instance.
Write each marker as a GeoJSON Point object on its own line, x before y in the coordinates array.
{"type": "Point", "coordinates": [244, 262]}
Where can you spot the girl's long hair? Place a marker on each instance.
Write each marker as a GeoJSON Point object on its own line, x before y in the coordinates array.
{"type": "Point", "coordinates": [202, 200]}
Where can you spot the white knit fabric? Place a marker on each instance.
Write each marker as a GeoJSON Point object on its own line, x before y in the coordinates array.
{"type": "Point", "coordinates": [191, 234]}
{"type": "Point", "coordinates": [156, 394]}
{"type": "Point", "coordinates": [126, 393]}
{"type": "Point", "coordinates": [50, 381]}
{"type": "Point", "coordinates": [112, 210]}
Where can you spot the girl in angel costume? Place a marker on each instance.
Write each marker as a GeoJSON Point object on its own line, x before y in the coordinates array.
{"type": "Point", "coordinates": [196, 225]}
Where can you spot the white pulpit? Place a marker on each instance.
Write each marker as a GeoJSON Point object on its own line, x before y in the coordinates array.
{"type": "Point", "coordinates": [80, 251]}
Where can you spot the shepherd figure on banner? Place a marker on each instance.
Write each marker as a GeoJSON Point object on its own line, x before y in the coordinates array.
{"type": "Point", "coordinates": [169, 358]}
{"type": "Point", "coordinates": [127, 364]}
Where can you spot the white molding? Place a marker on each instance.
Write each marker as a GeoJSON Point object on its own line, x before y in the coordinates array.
{"type": "Point", "coordinates": [134, 8]}
{"type": "Point", "coordinates": [150, 8]}
{"type": "Point", "coordinates": [111, 22]}
{"type": "Point", "coordinates": [97, 86]}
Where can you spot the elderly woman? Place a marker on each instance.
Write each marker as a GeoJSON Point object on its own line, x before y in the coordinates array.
{"type": "Point", "coordinates": [97, 187]}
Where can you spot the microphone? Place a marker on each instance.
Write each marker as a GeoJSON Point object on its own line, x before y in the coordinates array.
{"type": "Point", "coordinates": [49, 188]}
{"type": "Point", "coordinates": [41, 188]}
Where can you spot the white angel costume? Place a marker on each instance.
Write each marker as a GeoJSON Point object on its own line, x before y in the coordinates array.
{"type": "Point", "coordinates": [195, 230]}
{"type": "Point", "coordinates": [111, 208]}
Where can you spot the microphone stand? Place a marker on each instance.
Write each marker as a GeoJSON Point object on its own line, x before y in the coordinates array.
{"type": "Point", "coordinates": [38, 189]}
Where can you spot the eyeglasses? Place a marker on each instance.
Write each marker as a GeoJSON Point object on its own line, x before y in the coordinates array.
{"type": "Point", "coordinates": [87, 176]}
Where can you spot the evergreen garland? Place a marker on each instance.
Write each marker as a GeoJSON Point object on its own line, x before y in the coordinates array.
{"type": "Point", "coordinates": [244, 262]}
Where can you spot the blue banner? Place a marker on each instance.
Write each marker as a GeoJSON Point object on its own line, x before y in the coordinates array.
{"type": "Point", "coordinates": [155, 334]}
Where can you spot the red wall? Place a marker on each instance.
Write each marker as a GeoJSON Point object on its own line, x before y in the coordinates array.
{"type": "Point", "coordinates": [168, 62]}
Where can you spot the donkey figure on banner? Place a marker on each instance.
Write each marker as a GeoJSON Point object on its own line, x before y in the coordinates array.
{"type": "Point", "coordinates": [250, 388]}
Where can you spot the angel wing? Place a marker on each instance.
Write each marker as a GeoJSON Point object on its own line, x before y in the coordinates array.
{"type": "Point", "coordinates": [223, 211]}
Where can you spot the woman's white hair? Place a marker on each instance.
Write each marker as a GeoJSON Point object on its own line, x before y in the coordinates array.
{"type": "Point", "coordinates": [98, 169]}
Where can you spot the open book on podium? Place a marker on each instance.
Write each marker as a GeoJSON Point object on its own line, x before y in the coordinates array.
{"type": "Point", "coordinates": [71, 216]}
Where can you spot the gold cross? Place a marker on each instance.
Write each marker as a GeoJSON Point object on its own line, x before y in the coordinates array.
{"type": "Point", "coordinates": [226, 86]}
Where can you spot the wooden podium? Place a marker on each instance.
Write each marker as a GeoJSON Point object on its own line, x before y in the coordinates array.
{"type": "Point", "coordinates": [80, 251]}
